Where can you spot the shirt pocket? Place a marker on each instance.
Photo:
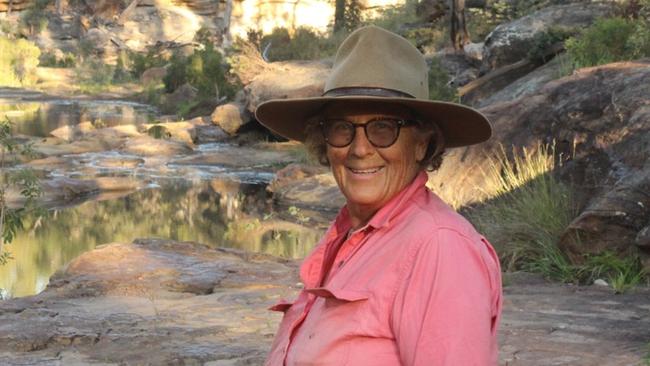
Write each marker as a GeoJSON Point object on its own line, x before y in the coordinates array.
{"type": "Point", "coordinates": [327, 334]}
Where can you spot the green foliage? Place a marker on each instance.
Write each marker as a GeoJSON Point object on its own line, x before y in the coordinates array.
{"type": "Point", "coordinates": [304, 44]}
{"type": "Point", "coordinates": [18, 59]}
{"type": "Point", "coordinates": [94, 76]}
{"type": "Point", "coordinates": [620, 273]}
{"type": "Point", "coordinates": [610, 40]}
{"type": "Point", "coordinates": [543, 41]}
{"type": "Point", "coordinates": [36, 17]}
{"type": "Point", "coordinates": [205, 69]}
{"type": "Point", "coordinates": [141, 62]}
{"type": "Point", "coordinates": [439, 88]}
{"type": "Point", "coordinates": [396, 17]}
{"type": "Point", "coordinates": [528, 211]}
{"type": "Point", "coordinates": [67, 60]}
{"type": "Point", "coordinates": [11, 219]}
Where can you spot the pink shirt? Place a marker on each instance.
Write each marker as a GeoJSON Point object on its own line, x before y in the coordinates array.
{"type": "Point", "coordinates": [416, 286]}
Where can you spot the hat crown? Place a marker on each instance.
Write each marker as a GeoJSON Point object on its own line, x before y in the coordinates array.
{"type": "Point", "coordinates": [372, 57]}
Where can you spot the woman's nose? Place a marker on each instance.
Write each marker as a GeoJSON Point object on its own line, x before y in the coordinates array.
{"type": "Point", "coordinates": [360, 145]}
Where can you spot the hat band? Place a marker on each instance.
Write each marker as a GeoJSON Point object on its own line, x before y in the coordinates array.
{"type": "Point", "coordinates": [370, 92]}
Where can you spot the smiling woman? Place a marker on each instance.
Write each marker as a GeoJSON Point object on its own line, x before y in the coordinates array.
{"type": "Point", "coordinates": [399, 275]}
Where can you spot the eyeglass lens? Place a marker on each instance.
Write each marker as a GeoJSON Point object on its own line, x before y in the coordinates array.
{"type": "Point", "coordinates": [380, 132]}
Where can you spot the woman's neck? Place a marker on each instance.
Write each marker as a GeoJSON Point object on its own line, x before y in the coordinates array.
{"type": "Point", "coordinates": [360, 215]}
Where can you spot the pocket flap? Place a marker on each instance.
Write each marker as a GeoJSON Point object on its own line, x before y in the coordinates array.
{"type": "Point", "coordinates": [339, 294]}
{"type": "Point", "coordinates": [282, 306]}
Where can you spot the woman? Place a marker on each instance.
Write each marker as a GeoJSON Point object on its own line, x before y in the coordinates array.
{"type": "Point", "coordinates": [399, 278]}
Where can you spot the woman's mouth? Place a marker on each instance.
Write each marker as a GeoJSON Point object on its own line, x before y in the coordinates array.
{"type": "Point", "coordinates": [366, 171]}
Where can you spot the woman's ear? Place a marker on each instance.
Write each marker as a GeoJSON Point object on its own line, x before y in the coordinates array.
{"type": "Point", "coordinates": [422, 141]}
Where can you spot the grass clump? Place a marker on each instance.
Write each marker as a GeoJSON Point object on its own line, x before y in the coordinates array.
{"type": "Point", "coordinates": [18, 60]}
{"type": "Point", "coordinates": [610, 40]}
{"type": "Point", "coordinates": [526, 212]}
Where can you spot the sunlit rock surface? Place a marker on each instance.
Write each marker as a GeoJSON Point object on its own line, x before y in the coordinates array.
{"type": "Point", "coordinates": [153, 302]}
{"type": "Point", "coordinates": [160, 302]}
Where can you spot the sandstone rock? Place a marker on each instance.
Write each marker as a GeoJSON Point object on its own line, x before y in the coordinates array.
{"type": "Point", "coordinates": [99, 39]}
{"type": "Point", "coordinates": [152, 302]}
{"type": "Point", "coordinates": [153, 76]}
{"type": "Point", "coordinates": [528, 84]}
{"type": "Point", "coordinates": [510, 42]}
{"type": "Point", "coordinates": [184, 94]}
{"type": "Point", "coordinates": [210, 133]}
{"type": "Point", "coordinates": [599, 119]}
{"type": "Point", "coordinates": [238, 157]}
{"type": "Point", "coordinates": [295, 79]}
{"type": "Point", "coordinates": [230, 117]}
{"type": "Point", "coordinates": [149, 146]}
{"type": "Point", "coordinates": [312, 187]}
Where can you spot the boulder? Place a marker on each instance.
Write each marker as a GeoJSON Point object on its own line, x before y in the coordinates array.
{"type": "Point", "coordinates": [230, 117]}
{"type": "Point", "coordinates": [599, 120]}
{"type": "Point", "coordinates": [294, 79]}
{"type": "Point", "coordinates": [460, 68]}
{"type": "Point", "coordinates": [149, 146]}
{"type": "Point", "coordinates": [306, 186]}
{"type": "Point", "coordinates": [186, 93]}
{"type": "Point", "coordinates": [511, 42]}
{"type": "Point", "coordinates": [528, 84]}
{"type": "Point", "coordinates": [153, 302]}
{"type": "Point", "coordinates": [153, 76]}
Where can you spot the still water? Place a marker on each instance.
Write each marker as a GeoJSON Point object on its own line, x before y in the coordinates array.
{"type": "Point", "coordinates": [40, 118]}
{"type": "Point", "coordinates": [218, 212]}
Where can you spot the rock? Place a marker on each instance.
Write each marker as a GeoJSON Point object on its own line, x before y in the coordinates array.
{"type": "Point", "coordinates": [210, 133]}
{"type": "Point", "coordinates": [528, 84]}
{"type": "Point", "coordinates": [600, 282]}
{"type": "Point", "coordinates": [294, 79]}
{"type": "Point", "coordinates": [510, 42]}
{"type": "Point", "coordinates": [149, 146]}
{"type": "Point", "coordinates": [153, 76]}
{"type": "Point", "coordinates": [160, 302]}
{"type": "Point", "coordinates": [311, 187]}
{"type": "Point", "coordinates": [599, 121]}
{"type": "Point", "coordinates": [238, 157]}
{"type": "Point", "coordinates": [643, 238]}
{"type": "Point", "coordinates": [98, 39]}
{"type": "Point", "coordinates": [186, 93]}
{"type": "Point", "coordinates": [474, 50]}
{"type": "Point", "coordinates": [230, 117]}
{"type": "Point", "coordinates": [64, 133]}
{"type": "Point", "coordinates": [461, 69]}
{"type": "Point", "coordinates": [152, 302]}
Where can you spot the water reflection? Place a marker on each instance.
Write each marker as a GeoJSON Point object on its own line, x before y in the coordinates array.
{"type": "Point", "coordinates": [219, 212]}
{"type": "Point", "coordinates": [41, 118]}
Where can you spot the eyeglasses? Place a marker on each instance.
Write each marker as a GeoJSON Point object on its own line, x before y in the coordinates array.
{"type": "Point", "coordinates": [381, 132]}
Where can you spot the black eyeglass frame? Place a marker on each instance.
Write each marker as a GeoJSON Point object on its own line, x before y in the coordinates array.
{"type": "Point", "coordinates": [400, 124]}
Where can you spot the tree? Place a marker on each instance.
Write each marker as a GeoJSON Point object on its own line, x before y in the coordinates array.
{"type": "Point", "coordinates": [347, 15]}
{"type": "Point", "coordinates": [458, 28]}
{"type": "Point", "coordinates": [22, 179]}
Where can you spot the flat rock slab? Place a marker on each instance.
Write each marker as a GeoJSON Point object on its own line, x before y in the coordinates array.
{"type": "Point", "coordinates": [160, 302]}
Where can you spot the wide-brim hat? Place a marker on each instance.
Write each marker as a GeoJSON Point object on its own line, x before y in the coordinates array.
{"type": "Point", "coordinates": [375, 66]}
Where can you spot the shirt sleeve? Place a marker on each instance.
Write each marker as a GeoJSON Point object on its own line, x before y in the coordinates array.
{"type": "Point", "coordinates": [448, 304]}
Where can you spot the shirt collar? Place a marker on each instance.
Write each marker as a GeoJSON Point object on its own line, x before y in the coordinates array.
{"type": "Point", "coordinates": [383, 216]}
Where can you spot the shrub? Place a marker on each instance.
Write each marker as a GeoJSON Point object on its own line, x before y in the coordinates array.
{"type": "Point", "coordinates": [527, 211]}
{"type": "Point", "coordinates": [205, 69]}
{"type": "Point", "coordinates": [609, 40]}
{"type": "Point", "coordinates": [35, 18]}
{"type": "Point", "coordinates": [66, 60]}
{"type": "Point", "coordinates": [439, 88]}
{"type": "Point", "coordinates": [18, 59]}
{"type": "Point", "coordinates": [141, 62]}
{"type": "Point", "coordinates": [304, 44]}
{"type": "Point", "coordinates": [543, 41]}
{"type": "Point", "coordinates": [94, 76]}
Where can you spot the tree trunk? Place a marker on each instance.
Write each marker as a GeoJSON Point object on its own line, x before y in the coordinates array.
{"type": "Point", "coordinates": [61, 5]}
{"type": "Point", "coordinates": [339, 15]}
{"type": "Point", "coordinates": [458, 29]}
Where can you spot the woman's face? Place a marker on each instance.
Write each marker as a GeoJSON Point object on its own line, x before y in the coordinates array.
{"type": "Point", "coordinates": [369, 176]}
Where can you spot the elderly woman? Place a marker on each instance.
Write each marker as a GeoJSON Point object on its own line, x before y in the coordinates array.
{"type": "Point", "coordinates": [399, 278]}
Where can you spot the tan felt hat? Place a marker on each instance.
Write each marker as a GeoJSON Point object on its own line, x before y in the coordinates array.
{"type": "Point", "coordinates": [375, 66]}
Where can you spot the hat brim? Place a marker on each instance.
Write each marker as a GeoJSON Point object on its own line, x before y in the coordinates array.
{"type": "Point", "coordinates": [460, 125]}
